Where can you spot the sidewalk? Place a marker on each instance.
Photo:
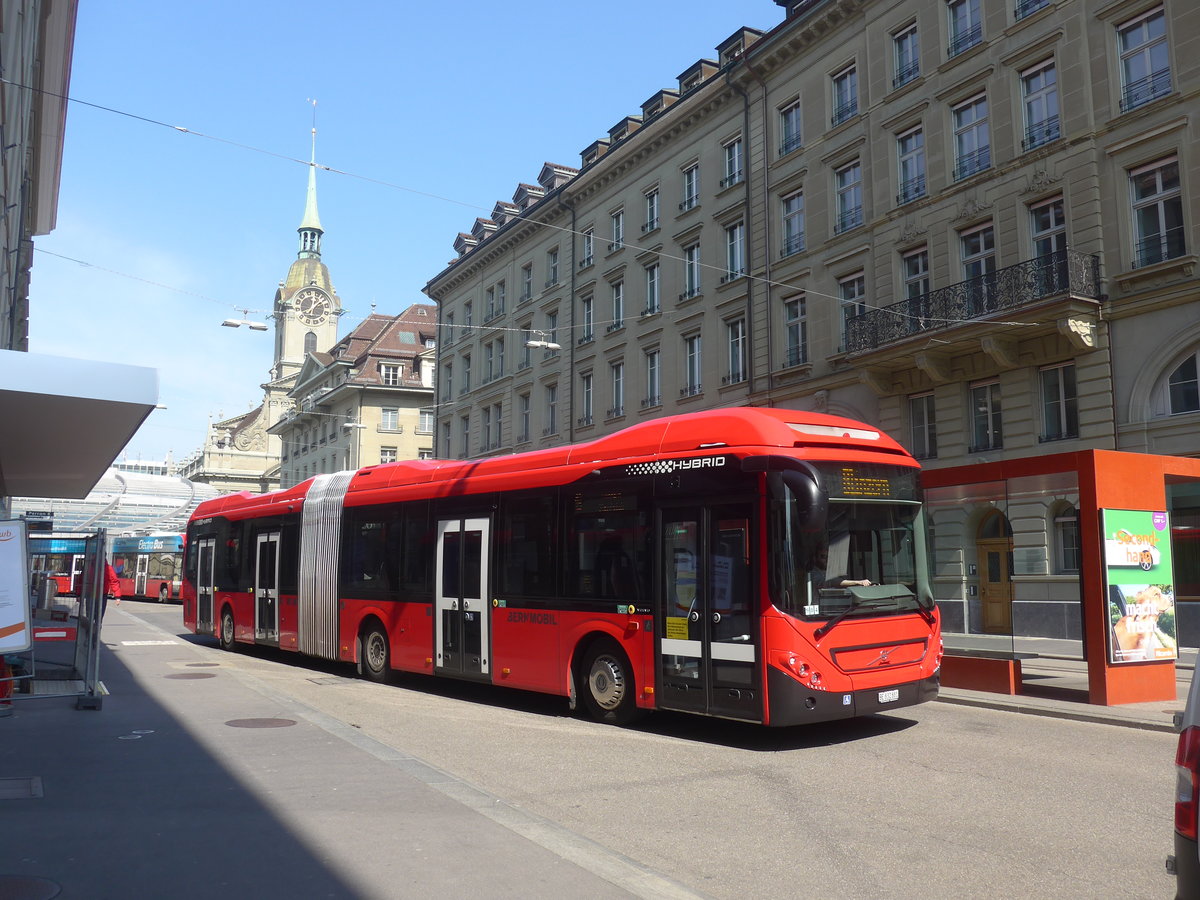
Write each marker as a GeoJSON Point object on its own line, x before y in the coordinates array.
{"type": "Point", "coordinates": [191, 782]}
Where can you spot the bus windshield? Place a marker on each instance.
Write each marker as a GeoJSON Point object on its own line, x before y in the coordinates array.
{"type": "Point", "coordinates": [862, 561]}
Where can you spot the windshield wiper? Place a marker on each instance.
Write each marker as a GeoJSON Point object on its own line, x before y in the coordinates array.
{"type": "Point", "coordinates": [855, 604]}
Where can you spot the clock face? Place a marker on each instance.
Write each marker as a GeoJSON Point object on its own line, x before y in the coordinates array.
{"type": "Point", "coordinates": [313, 306]}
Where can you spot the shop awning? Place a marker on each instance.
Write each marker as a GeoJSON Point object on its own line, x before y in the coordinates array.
{"type": "Point", "coordinates": [63, 421]}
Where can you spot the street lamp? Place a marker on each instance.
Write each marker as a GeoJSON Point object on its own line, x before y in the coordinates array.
{"type": "Point", "coordinates": [237, 323]}
{"type": "Point", "coordinates": [541, 341]}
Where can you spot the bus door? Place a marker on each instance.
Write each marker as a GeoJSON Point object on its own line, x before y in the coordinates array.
{"type": "Point", "coordinates": [205, 557]}
{"type": "Point", "coordinates": [139, 574]}
{"type": "Point", "coordinates": [461, 638]}
{"type": "Point", "coordinates": [708, 636]}
{"type": "Point", "coordinates": [266, 588]}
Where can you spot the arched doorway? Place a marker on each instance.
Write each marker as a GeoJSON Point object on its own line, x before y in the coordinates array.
{"type": "Point", "coordinates": [994, 545]}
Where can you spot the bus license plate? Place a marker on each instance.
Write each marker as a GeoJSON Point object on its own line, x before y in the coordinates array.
{"type": "Point", "coordinates": [889, 696]}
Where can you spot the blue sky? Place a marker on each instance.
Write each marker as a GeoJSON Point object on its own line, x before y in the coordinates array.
{"type": "Point", "coordinates": [437, 110]}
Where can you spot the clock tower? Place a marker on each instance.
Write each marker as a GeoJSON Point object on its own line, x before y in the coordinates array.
{"type": "Point", "coordinates": [306, 306]}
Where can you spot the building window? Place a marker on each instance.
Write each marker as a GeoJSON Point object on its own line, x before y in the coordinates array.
{"type": "Point", "coordinates": [1048, 224]}
{"type": "Point", "coordinates": [618, 307]}
{"type": "Point", "coordinates": [691, 188]}
{"type": "Point", "coordinates": [692, 371]}
{"type": "Point", "coordinates": [445, 440]}
{"type": "Point", "coordinates": [586, 316]}
{"type": "Point", "coordinates": [586, 253]}
{"type": "Point", "coordinates": [425, 421]}
{"type": "Point", "coordinates": [915, 265]}
{"type": "Point", "coordinates": [1157, 213]}
{"type": "Point", "coordinates": [966, 26]}
{"type": "Point", "coordinates": [922, 426]}
{"type": "Point", "coordinates": [972, 149]}
{"type": "Point", "coordinates": [735, 251]}
{"type": "Point", "coordinates": [618, 231]}
{"type": "Point", "coordinates": [551, 410]}
{"type": "Point", "coordinates": [585, 399]}
{"type": "Point", "coordinates": [447, 381]}
{"type": "Point", "coordinates": [986, 431]}
{"type": "Point", "coordinates": [551, 332]}
{"type": "Point", "coordinates": [425, 453]}
{"type": "Point", "coordinates": [387, 454]}
{"type": "Point", "coordinates": [1039, 88]}
{"type": "Point", "coordinates": [499, 356]}
{"type": "Point", "coordinates": [468, 309]}
{"type": "Point", "coordinates": [852, 291]}
{"type": "Point", "coordinates": [485, 430]}
{"type": "Point", "coordinates": [906, 53]}
{"type": "Point", "coordinates": [1183, 387]}
{"type": "Point", "coordinates": [795, 325]}
{"type": "Point", "coordinates": [501, 297]}
{"type": "Point", "coordinates": [910, 152]}
{"type": "Point", "coordinates": [494, 439]}
{"type": "Point", "coordinates": [651, 211]}
{"type": "Point", "coordinates": [845, 95]}
{"type": "Point", "coordinates": [1028, 8]}
{"type": "Point", "coordinates": [526, 282]}
{"type": "Point", "coordinates": [489, 363]}
{"type": "Point", "coordinates": [652, 297]}
{"type": "Point", "coordinates": [464, 423]}
{"type": "Point", "coordinates": [1145, 67]}
{"type": "Point", "coordinates": [691, 272]}
{"type": "Point", "coordinates": [524, 361]}
{"type": "Point", "coordinates": [1066, 541]}
{"type": "Point", "coordinates": [1060, 408]}
{"type": "Point", "coordinates": [653, 380]}
{"type": "Point", "coordinates": [389, 374]}
{"type": "Point", "coordinates": [523, 412]}
{"type": "Point", "coordinates": [789, 128]}
{"type": "Point", "coordinates": [552, 267]}
{"type": "Point", "coordinates": [735, 333]}
{"type": "Point", "coordinates": [978, 248]}
{"type": "Point", "coordinates": [733, 163]}
{"type": "Point", "coordinates": [617, 380]}
{"type": "Point", "coordinates": [849, 197]}
{"type": "Point", "coordinates": [466, 373]}
{"type": "Point", "coordinates": [389, 419]}
{"type": "Point", "coordinates": [793, 224]}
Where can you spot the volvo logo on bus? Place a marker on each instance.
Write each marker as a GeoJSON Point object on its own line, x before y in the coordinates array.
{"type": "Point", "coordinates": [667, 466]}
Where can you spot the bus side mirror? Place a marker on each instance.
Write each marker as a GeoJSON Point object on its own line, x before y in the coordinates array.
{"type": "Point", "coordinates": [810, 499]}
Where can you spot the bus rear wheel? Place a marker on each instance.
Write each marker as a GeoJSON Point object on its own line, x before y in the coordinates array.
{"type": "Point", "coordinates": [227, 633]}
{"type": "Point", "coordinates": [608, 689]}
{"type": "Point", "coordinates": [374, 654]}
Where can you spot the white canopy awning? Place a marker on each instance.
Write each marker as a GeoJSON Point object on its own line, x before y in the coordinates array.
{"type": "Point", "coordinates": [63, 421]}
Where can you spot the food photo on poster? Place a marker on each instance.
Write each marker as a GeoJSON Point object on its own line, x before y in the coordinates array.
{"type": "Point", "coordinates": [1141, 592]}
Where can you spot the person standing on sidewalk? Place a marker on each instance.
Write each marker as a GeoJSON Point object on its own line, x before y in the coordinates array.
{"type": "Point", "coordinates": [112, 589]}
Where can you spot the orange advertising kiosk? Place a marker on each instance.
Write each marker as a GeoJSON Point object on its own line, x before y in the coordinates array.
{"type": "Point", "coordinates": [1108, 482]}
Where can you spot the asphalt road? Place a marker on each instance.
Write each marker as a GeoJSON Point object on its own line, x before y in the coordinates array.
{"type": "Point", "coordinates": [934, 801]}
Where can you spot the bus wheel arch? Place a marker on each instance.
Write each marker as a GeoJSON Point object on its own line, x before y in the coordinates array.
{"type": "Point", "coordinates": [374, 654]}
{"type": "Point", "coordinates": [605, 681]}
{"type": "Point", "coordinates": [227, 633]}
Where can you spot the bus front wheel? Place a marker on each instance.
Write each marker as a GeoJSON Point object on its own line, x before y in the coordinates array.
{"type": "Point", "coordinates": [373, 652]}
{"type": "Point", "coordinates": [608, 689]}
{"type": "Point", "coordinates": [227, 633]}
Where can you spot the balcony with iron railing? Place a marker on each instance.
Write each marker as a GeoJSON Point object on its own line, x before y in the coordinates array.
{"type": "Point", "coordinates": [789, 143]}
{"type": "Point", "coordinates": [1028, 8]}
{"type": "Point", "coordinates": [792, 244]}
{"type": "Point", "coordinates": [1140, 92]}
{"type": "Point", "coordinates": [1043, 132]}
{"type": "Point", "coordinates": [965, 40]}
{"type": "Point", "coordinates": [849, 219]}
{"type": "Point", "coordinates": [844, 111]}
{"type": "Point", "coordinates": [970, 163]}
{"type": "Point", "coordinates": [1065, 273]}
{"type": "Point", "coordinates": [910, 190]}
{"type": "Point", "coordinates": [1159, 248]}
{"type": "Point", "coordinates": [652, 401]}
{"type": "Point", "coordinates": [908, 73]}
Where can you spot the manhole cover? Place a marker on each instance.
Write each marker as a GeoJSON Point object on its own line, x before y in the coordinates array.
{"type": "Point", "coordinates": [260, 723]}
{"type": "Point", "coordinates": [191, 675]}
{"type": "Point", "coordinates": [23, 887]}
{"type": "Point", "coordinates": [200, 665]}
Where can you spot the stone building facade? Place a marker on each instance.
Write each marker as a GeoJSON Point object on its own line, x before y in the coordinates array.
{"type": "Point", "coordinates": [969, 222]}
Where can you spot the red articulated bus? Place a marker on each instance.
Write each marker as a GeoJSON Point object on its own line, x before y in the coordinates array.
{"type": "Point", "coordinates": [763, 565]}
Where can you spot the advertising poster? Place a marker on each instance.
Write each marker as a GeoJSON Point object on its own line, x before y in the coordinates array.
{"type": "Point", "coordinates": [1141, 585]}
{"type": "Point", "coordinates": [16, 627]}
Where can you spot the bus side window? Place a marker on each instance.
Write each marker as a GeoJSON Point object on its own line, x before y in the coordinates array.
{"type": "Point", "coordinates": [525, 546]}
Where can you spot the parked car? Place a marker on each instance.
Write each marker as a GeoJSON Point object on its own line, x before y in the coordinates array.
{"type": "Point", "coordinates": [1185, 863]}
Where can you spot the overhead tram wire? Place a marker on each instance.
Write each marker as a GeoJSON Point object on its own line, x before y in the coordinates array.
{"type": "Point", "coordinates": [181, 129]}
